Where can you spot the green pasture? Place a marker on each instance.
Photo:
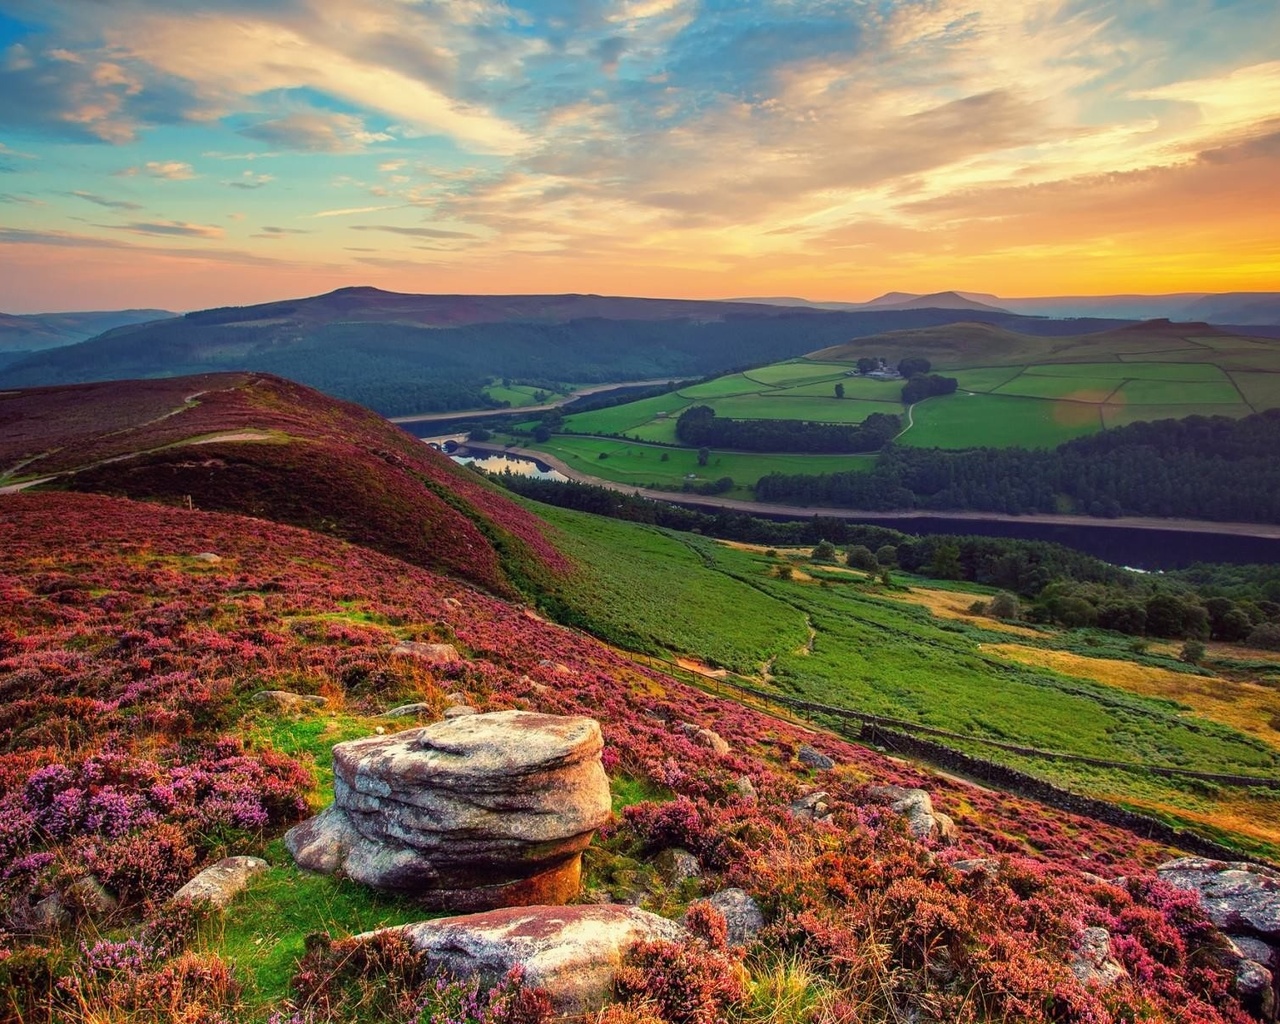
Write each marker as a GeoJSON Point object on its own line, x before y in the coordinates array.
{"type": "Point", "coordinates": [1122, 371]}
{"type": "Point", "coordinates": [660, 591]}
{"type": "Point", "coordinates": [1003, 421]}
{"type": "Point", "coordinates": [795, 372]}
{"type": "Point", "coordinates": [642, 465]}
{"type": "Point", "coordinates": [854, 387]}
{"type": "Point", "coordinates": [1086, 389]}
{"type": "Point", "coordinates": [984, 378]}
{"type": "Point", "coordinates": [734, 384]}
{"type": "Point", "coordinates": [1261, 390]}
{"type": "Point", "coordinates": [519, 395]}
{"type": "Point", "coordinates": [620, 418]}
{"type": "Point", "coordinates": [1164, 392]}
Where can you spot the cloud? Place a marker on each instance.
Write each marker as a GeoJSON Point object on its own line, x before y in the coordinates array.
{"type": "Point", "coordinates": [169, 170]}
{"type": "Point", "coordinates": [276, 233]}
{"type": "Point", "coordinates": [111, 204]}
{"type": "Point", "coordinates": [169, 227]}
{"type": "Point", "coordinates": [413, 232]}
{"type": "Point", "coordinates": [353, 210]}
{"type": "Point", "coordinates": [10, 199]}
{"type": "Point", "coordinates": [249, 181]}
{"type": "Point", "coordinates": [316, 132]}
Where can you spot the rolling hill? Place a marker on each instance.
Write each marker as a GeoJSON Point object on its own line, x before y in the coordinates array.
{"type": "Point", "coordinates": [34, 332]}
{"type": "Point", "coordinates": [266, 447]}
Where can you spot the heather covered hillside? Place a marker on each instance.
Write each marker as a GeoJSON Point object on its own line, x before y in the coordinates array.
{"type": "Point", "coordinates": [133, 752]}
{"type": "Point", "coordinates": [269, 448]}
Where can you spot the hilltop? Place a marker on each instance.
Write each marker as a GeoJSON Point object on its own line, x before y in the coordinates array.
{"type": "Point", "coordinates": [266, 447]}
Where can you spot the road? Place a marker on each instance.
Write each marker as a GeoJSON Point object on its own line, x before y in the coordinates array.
{"type": "Point", "coordinates": [594, 389]}
{"type": "Point", "coordinates": [1266, 531]}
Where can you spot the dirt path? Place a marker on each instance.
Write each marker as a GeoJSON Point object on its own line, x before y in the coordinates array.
{"type": "Point", "coordinates": [1266, 531]}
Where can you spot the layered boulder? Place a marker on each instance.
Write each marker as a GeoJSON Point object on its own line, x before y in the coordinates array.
{"type": "Point", "coordinates": [472, 813]}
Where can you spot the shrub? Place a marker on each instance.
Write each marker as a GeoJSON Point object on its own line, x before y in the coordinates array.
{"type": "Point", "coordinates": [1266, 636]}
{"type": "Point", "coordinates": [824, 552]}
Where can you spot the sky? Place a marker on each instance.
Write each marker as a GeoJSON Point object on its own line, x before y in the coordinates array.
{"type": "Point", "coordinates": [179, 154]}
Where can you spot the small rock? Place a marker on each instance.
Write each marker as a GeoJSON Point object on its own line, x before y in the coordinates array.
{"type": "Point", "coordinates": [812, 805]}
{"type": "Point", "coordinates": [91, 897]}
{"type": "Point", "coordinates": [712, 740]}
{"type": "Point", "coordinates": [50, 914]}
{"type": "Point", "coordinates": [984, 868]}
{"type": "Point", "coordinates": [221, 883]}
{"type": "Point", "coordinates": [380, 730]}
{"type": "Point", "coordinates": [1092, 962]}
{"type": "Point", "coordinates": [746, 789]}
{"type": "Point", "coordinates": [741, 913]}
{"type": "Point", "coordinates": [571, 952]}
{"type": "Point", "coordinates": [457, 697]}
{"type": "Point", "coordinates": [676, 864]}
{"type": "Point", "coordinates": [916, 806]}
{"type": "Point", "coordinates": [452, 602]}
{"type": "Point", "coordinates": [291, 701]}
{"type": "Point", "coordinates": [459, 711]}
{"type": "Point", "coordinates": [435, 654]}
{"type": "Point", "coordinates": [208, 557]}
{"type": "Point", "coordinates": [1256, 950]}
{"type": "Point", "coordinates": [405, 710]}
{"type": "Point", "coordinates": [1255, 987]}
{"type": "Point", "coordinates": [814, 758]}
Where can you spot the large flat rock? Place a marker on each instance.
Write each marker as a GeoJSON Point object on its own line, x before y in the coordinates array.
{"type": "Point", "coordinates": [572, 952]}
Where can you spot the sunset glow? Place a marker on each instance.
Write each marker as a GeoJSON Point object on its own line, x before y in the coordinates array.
{"type": "Point", "coordinates": [191, 153]}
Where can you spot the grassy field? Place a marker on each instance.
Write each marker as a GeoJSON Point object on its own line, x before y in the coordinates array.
{"type": "Point", "coordinates": [643, 465]}
{"type": "Point", "coordinates": [519, 395]}
{"type": "Point", "coordinates": [1014, 390]}
{"type": "Point", "coordinates": [887, 652]}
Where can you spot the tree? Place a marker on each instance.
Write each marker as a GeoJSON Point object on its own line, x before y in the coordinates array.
{"type": "Point", "coordinates": [542, 433]}
{"type": "Point", "coordinates": [1192, 652]}
{"type": "Point", "coordinates": [945, 563]}
{"type": "Point", "coordinates": [479, 434]}
{"type": "Point", "coordinates": [912, 365]}
{"type": "Point", "coordinates": [824, 552]}
{"type": "Point", "coordinates": [704, 456]}
{"type": "Point", "coordinates": [1005, 606]}
{"type": "Point", "coordinates": [839, 390]}
{"type": "Point", "coordinates": [860, 557]}
{"type": "Point", "coordinates": [866, 364]}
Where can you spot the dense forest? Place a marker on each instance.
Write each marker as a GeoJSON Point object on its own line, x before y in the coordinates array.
{"type": "Point", "coordinates": [698, 426]}
{"type": "Point", "coordinates": [1199, 467]}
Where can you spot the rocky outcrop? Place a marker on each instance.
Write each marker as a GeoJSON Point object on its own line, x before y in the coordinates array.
{"type": "Point", "coordinates": [676, 864]}
{"type": "Point", "coordinates": [220, 884]}
{"type": "Point", "coordinates": [289, 701]}
{"type": "Point", "coordinates": [916, 806]}
{"type": "Point", "coordinates": [434, 654]}
{"type": "Point", "coordinates": [1238, 898]}
{"type": "Point", "coordinates": [476, 812]}
{"type": "Point", "coordinates": [571, 952]}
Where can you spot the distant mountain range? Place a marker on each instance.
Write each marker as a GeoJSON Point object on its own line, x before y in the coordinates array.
{"type": "Point", "coordinates": [405, 354]}
{"type": "Point", "coordinates": [35, 332]}
{"type": "Point", "coordinates": [1236, 308]}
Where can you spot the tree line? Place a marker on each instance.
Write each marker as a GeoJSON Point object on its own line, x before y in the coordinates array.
{"type": "Point", "coordinates": [1200, 467]}
{"type": "Point", "coordinates": [698, 426]}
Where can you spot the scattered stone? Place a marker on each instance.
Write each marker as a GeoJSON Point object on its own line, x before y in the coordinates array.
{"type": "Point", "coordinates": [985, 868]}
{"type": "Point", "coordinates": [1092, 962]}
{"type": "Point", "coordinates": [223, 882]}
{"type": "Point", "coordinates": [741, 913]}
{"type": "Point", "coordinates": [435, 654]}
{"type": "Point", "coordinates": [1237, 897]}
{"type": "Point", "coordinates": [813, 806]}
{"type": "Point", "coordinates": [457, 697]}
{"type": "Point", "coordinates": [746, 789]}
{"type": "Point", "coordinates": [405, 710]}
{"type": "Point", "coordinates": [452, 602]}
{"type": "Point", "coordinates": [92, 897]}
{"type": "Point", "coordinates": [290, 701]}
{"type": "Point", "coordinates": [916, 806]}
{"type": "Point", "coordinates": [208, 557]}
{"type": "Point", "coordinates": [571, 952]}
{"type": "Point", "coordinates": [676, 864]}
{"type": "Point", "coordinates": [380, 731]}
{"type": "Point", "coordinates": [469, 813]}
{"type": "Point", "coordinates": [50, 914]}
{"type": "Point", "coordinates": [459, 711]}
{"type": "Point", "coordinates": [814, 758]}
{"type": "Point", "coordinates": [1255, 987]}
{"type": "Point", "coordinates": [712, 740]}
